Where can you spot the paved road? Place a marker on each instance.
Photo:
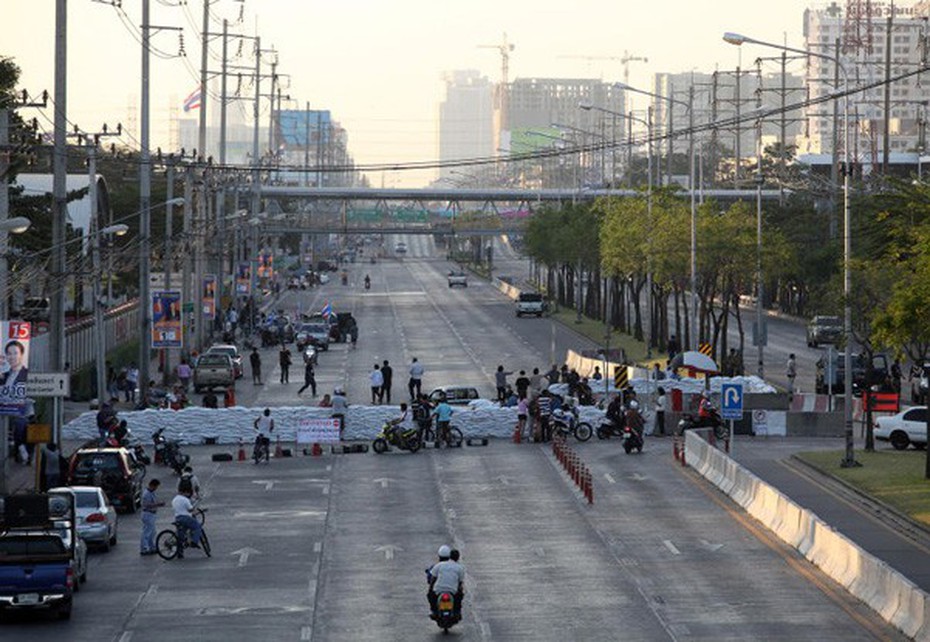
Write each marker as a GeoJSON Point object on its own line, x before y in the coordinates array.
{"type": "Point", "coordinates": [334, 548]}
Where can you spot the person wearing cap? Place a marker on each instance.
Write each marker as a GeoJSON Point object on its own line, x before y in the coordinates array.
{"type": "Point", "coordinates": [446, 576]}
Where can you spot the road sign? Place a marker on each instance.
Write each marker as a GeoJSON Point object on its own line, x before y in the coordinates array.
{"type": "Point", "coordinates": [760, 422]}
{"type": "Point", "coordinates": [731, 401]}
{"type": "Point", "coordinates": [48, 384]}
{"type": "Point", "coordinates": [621, 377]}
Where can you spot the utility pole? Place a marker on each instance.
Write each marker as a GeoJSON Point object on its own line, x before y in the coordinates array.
{"type": "Point", "coordinates": [886, 134]}
{"type": "Point", "coordinates": [145, 195]}
{"type": "Point", "coordinates": [168, 263]}
{"type": "Point", "coordinates": [204, 49]}
{"type": "Point", "coordinates": [188, 251]}
{"type": "Point", "coordinates": [60, 210]}
{"type": "Point", "coordinates": [4, 296]}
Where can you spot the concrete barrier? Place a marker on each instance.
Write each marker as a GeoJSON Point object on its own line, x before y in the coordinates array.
{"type": "Point", "coordinates": [895, 598]}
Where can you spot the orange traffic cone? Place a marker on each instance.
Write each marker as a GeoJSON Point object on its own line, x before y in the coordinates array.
{"type": "Point", "coordinates": [517, 436]}
{"type": "Point", "coordinates": [278, 452]}
{"type": "Point", "coordinates": [241, 451]}
{"type": "Point", "coordinates": [317, 450]}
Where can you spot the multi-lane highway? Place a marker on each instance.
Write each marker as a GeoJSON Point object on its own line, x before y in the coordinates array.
{"type": "Point", "coordinates": [335, 547]}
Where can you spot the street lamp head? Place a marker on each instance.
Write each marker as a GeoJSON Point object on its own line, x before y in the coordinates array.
{"type": "Point", "coordinates": [586, 105]}
{"type": "Point", "coordinates": [175, 201]}
{"type": "Point", "coordinates": [735, 38]}
{"type": "Point", "coordinates": [15, 225]}
{"type": "Point", "coordinates": [119, 229]}
{"type": "Point", "coordinates": [621, 85]}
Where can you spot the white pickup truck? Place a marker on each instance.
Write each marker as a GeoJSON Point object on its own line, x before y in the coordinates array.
{"type": "Point", "coordinates": [530, 303]}
{"type": "Point", "coordinates": [458, 278]}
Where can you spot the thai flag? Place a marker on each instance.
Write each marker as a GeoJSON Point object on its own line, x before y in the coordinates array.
{"type": "Point", "coordinates": [327, 310]}
{"type": "Point", "coordinates": [193, 100]}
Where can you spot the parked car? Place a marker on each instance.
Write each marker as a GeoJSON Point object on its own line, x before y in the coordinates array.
{"type": "Point", "coordinates": [214, 370]}
{"type": "Point", "coordinates": [36, 308]}
{"type": "Point", "coordinates": [866, 374]}
{"type": "Point", "coordinates": [96, 517]}
{"type": "Point", "coordinates": [400, 248]}
{"type": "Point", "coordinates": [824, 329]}
{"type": "Point", "coordinates": [233, 353]}
{"type": "Point", "coordinates": [530, 303]}
{"type": "Point", "coordinates": [458, 278]}
{"type": "Point", "coordinates": [908, 427]}
{"type": "Point", "coordinates": [455, 395]}
{"type": "Point", "coordinates": [112, 470]}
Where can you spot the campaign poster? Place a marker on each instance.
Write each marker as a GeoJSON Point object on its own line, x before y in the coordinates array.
{"type": "Point", "coordinates": [209, 297]}
{"type": "Point", "coordinates": [244, 278]}
{"type": "Point", "coordinates": [166, 319]}
{"type": "Point", "coordinates": [318, 431]}
{"type": "Point", "coordinates": [265, 264]}
{"type": "Point", "coordinates": [14, 366]}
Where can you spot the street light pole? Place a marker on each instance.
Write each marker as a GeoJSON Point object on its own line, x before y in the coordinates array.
{"type": "Point", "coordinates": [849, 459]}
{"type": "Point", "coordinates": [145, 193]}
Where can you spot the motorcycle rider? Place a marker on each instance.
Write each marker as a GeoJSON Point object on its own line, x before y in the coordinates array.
{"type": "Point", "coordinates": [404, 422]}
{"type": "Point", "coordinates": [615, 412]}
{"type": "Point", "coordinates": [367, 282]}
{"type": "Point", "coordinates": [446, 576]}
{"type": "Point", "coordinates": [707, 414]}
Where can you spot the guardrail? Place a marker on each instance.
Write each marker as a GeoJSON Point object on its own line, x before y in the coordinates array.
{"type": "Point", "coordinates": [898, 600]}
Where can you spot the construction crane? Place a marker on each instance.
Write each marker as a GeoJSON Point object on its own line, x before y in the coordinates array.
{"type": "Point", "coordinates": [503, 89]}
{"type": "Point", "coordinates": [624, 60]}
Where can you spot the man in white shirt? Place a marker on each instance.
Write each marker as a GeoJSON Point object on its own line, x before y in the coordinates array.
{"type": "Point", "coordinates": [377, 382]}
{"type": "Point", "coordinates": [183, 508]}
{"type": "Point", "coordinates": [416, 379]}
{"type": "Point", "coordinates": [447, 576]}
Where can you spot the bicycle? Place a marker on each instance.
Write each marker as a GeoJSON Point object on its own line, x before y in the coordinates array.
{"type": "Point", "coordinates": [262, 450]}
{"type": "Point", "coordinates": [453, 437]}
{"type": "Point", "coordinates": [171, 542]}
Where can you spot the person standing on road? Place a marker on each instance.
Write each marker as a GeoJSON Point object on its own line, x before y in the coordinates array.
{"type": "Point", "coordinates": [553, 374]}
{"type": "Point", "coordinates": [309, 378]}
{"type": "Point", "coordinates": [150, 506]}
{"type": "Point", "coordinates": [661, 403]}
{"type": "Point", "coordinates": [416, 379]}
{"type": "Point", "coordinates": [791, 370]}
{"type": "Point", "coordinates": [673, 346]}
{"type": "Point", "coordinates": [522, 410]}
{"type": "Point", "coordinates": [255, 360]}
{"type": "Point", "coordinates": [377, 381]}
{"type": "Point", "coordinates": [443, 414]}
{"type": "Point", "coordinates": [284, 360]}
{"type": "Point", "coordinates": [184, 374]}
{"type": "Point", "coordinates": [523, 384]}
{"type": "Point", "coordinates": [537, 384]}
{"type": "Point", "coordinates": [132, 382]}
{"type": "Point", "coordinates": [387, 373]}
{"type": "Point", "coordinates": [339, 405]}
{"type": "Point", "coordinates": [500, 380]}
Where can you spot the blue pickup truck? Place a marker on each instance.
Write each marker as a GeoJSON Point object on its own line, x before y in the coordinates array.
{"type": "Point", "coordinates": [36, 565]}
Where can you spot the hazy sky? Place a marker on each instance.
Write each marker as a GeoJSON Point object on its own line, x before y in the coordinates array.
{"type": "Point", "coordinates": [378, 64]}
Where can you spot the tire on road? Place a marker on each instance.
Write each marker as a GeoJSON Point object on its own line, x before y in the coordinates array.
{"type": "Point", "coordinates": [379, 445]}
{"type": "Point", "coordinates": [583, 431]}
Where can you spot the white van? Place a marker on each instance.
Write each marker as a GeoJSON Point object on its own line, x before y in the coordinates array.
{"type": "Point", "coordinates": [530, 303]}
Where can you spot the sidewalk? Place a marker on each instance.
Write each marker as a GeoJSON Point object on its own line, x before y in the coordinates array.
{"type": "Point", "coordinates": [903, 545]}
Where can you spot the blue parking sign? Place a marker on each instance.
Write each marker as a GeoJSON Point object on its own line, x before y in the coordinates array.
{"type": "Point", "coordinates": [731, 401]}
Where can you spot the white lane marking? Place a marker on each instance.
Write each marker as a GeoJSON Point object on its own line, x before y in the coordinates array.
{"type": "Point", "coordinates": [384, 481]}
{"type": "Point", "coordinates": [671, 547]}
{"type": "Point", "coordinates": [244, 555]}
{"type": "Point", "coordinates": [306, 633]}
{"type": "Point", "coordinates": [126, 636]}
{"type": "Point", "coordinates": [610, 478]}
{"type": "Point", "coordinates": [388, 550]}
{"type": "Point", "coordinates": [317, 547]}
{"type": "Point", "coordinates": [269, 484]}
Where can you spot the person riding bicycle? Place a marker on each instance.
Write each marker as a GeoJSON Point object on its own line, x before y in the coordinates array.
{"type": "Point", "coordinates": [183, 516]}
{"type": "Point", "coordinates": [443, 414]}
{"type": "Point", "coordinates": [262, 424]}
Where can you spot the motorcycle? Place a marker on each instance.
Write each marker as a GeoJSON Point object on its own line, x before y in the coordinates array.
{"type": "Point", "coordinates": [609, 429]}
{"type": "Point", "coordinates": [689, 422]}
{"type": "Point", "coordinates": [168, 452]}
{"type": "Point", "coordinates": [565, 422]}
{"type": "Point", "coordinates": [367, 283]}
{"type": "Point", "coordinates": [394, 435]}
{"type": "Point", "coordinates": [446, 617]}
{"type": "Point", "coordinates": [632, 439]}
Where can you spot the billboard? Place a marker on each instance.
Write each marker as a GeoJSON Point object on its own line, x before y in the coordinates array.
{"type": "Point", "coordinates": [166, 319]}
{"type": "Point", "coordinates": [244, 278]}
{"type": "Point", "coordinates": [294, 124]}
{"type": "Point", "coordinates": [208, 300]}
{"type": "Point", "coordinates": [14, 366]}
{"type": "Point", "coordinates": [265, 264]}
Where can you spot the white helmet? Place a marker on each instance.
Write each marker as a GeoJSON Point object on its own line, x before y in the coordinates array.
{"type": "Point", "coordinates": [634, 405]}
{"type": "Point", "coordinates": [444, 551]}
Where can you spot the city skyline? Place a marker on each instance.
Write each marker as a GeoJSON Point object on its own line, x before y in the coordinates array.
{"type": "Point", "coordinates": [380, 70]}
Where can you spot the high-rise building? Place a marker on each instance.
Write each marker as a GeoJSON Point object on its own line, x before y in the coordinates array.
{"type": "Point", "coordinates": [466, 119]}
{"type": "Point", "coordinates": [873, 40]}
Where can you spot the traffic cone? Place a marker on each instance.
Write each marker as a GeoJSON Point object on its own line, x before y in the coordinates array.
{"type": "Point", "coordinates": [241, 456]}
{"type": "Point", "coordinates": [317, 450]}
{"type": "Point", "coordinates": [517, 437]}
{"type": "Point", "coordinates": [278, 453]}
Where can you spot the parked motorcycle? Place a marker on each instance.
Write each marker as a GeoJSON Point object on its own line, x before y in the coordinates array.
{"type": "Point", "coordinates": [609, 429]}
{"type": "Point", "coordinates": [565, 422]}
{"type": "Point", "coordinates": [168, 452]}
{"type": "Point", "coordinates": [632, 440]}
{"type": "Point", "coordinates": [689, 422]}
{"type": "Point", "coordinates": [394, 435]}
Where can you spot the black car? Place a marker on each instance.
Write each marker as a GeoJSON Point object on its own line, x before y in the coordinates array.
{"type": "Point", "coordinates": [113, 470]}
{"type": "Point", "coordinates": [867, 374]}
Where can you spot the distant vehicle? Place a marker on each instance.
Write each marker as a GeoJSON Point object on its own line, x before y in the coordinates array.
{"type": "Point", "coordinates": [315, 334]}
{"type": "Point", "coordinates": [326, 266]}
{"type": "Point", "coordinates": [824, 329]}
{"type": "Point", "coordinates": [214, 370]}
{"type": "Point", "coordinates": [530, 303]}
{"type": "Point", "coordinates": [455, 395]}
{"type": "Point", "coordinates": [400, 248]}
{"type": "Point", "coordinates": [36, 308]}
{"type": "Point", "coordinates": [908, 427]}
{"type": "Point", "coordinates": [97, 522]}
{"type": "Point", "coordinates": [458, 278]}
{"type": "Point", "coordinates": [233, 353]}
{"type": "Point", "coordinates": [866, 374]}
{"type": "Point", "coordinates": [113, 471]}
